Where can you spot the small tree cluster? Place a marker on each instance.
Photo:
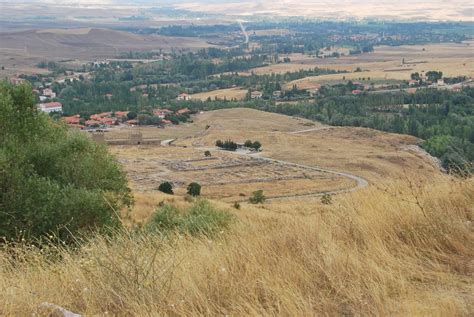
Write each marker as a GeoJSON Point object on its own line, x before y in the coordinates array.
{"type": "Point", "coordinates": [227, 145]}
{"type": "Point", "coordinates": [256, 145]}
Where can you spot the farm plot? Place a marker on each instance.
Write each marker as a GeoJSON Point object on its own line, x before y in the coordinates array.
{"type": "Point", "coordinates": [225, 176]}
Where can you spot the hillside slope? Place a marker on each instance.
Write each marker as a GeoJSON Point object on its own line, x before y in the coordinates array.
{"type": "Point", "coordinates": [86, 43]}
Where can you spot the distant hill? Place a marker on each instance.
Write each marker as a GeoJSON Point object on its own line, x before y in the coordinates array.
{"type": "Point", "coordinates": [87, 43]}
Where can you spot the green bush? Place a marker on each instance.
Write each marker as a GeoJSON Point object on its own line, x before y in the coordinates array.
{"type": "Point", "coordinates": [326, 199]}
{"type": "Point", "coordinates": [166, 187]}
{"type": "Point", "coordinates": [200, 219]}
{"type": "Point", "coordinates": [52, 179]}
{"type": "Point", "coordinates": [257, 197]}
{"type": "Point", "coordinates": [194, 189]}
{"type": "Point", "coordinates": [450, 151]}
{"type": "Point", "coordinates": [228, 145]}
{"type": "Point", "coordinates": [253, 145]}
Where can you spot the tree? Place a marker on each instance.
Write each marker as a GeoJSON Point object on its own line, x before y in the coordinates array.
{"type": "Point", "coordinates": [131, 115]}
{"type": "Point", "coordinates": [207, 154]}
{"type": "Point", "coordinates": [166, 187]}
{"type": "Point", "coordinates": [227, 145]}
{"type": "Point", "coordinates": [256, 145]}
{"type": "Point", "coordinates": [194, 189]}
{"type": "Point", "coordinates": [257, 197]}
{"type": "Point", "coordinates": [415, 76]}
{"type": "Point", "coordinates": [44, 187]}
{"type": "Point", "coordinates": [434, 75]}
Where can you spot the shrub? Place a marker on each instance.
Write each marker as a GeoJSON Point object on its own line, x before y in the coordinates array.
{"type": "Point", "coordinates": [257, 197]}
{"type": "Point", "coordinates": [253, 145]}
{"type": "Point", "coordinates": [326, 199]}
{"type": "Point", "coordinates": [207, 154]}
{"type": "Point", "coordinates": [200, 219]}
{"type": "Point", "coordinates": [131, 115]}
{"type": "Point", "coordinates": [194, 189]}
{"type": "Point", "coordinates": [53, 180]}
{"type": "Point", "coordinates": [166, 187]}
{"type": "Point", "coordinates": [256, 145]}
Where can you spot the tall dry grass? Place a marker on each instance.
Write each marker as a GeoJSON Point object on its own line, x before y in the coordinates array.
{"type": "Point", "coordinates": [401, 250]}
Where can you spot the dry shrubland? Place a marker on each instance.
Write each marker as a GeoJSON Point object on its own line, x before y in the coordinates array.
{"type": "Point", "coordinates": [406, 249]}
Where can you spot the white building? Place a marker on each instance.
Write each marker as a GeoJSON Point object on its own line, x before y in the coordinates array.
{"type": "Point", "coordinates": [48, 92]}
{"type": "Point", "coordinates": [256, 95]}
{"type": "Point", "coordinates": [51, 107]}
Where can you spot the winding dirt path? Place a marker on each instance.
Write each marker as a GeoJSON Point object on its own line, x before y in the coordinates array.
{"type": "Point", "coordinates": [360, 181]}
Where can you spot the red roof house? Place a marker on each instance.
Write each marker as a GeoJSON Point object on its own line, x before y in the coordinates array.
{"type": "Point", "coordinates": [72, 119]}
{"type": "Point", "coordinates": [183, 111]}
{"type": "Point", "coordinates": [121, 114]}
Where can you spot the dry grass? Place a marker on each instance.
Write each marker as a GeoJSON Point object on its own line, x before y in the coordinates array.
{"type": "Point", "coordinates": [384, 64]}
{"type": "Point", "coordinates": [402, 250]}
{"type": "Point", "coordinates": [224, 176]}
{"type": "Point", "coordinates": [402, 246]}
{"type": "Point", "coordinates": [60, 44]}
{"type": "Point", "coordinates": [228, 94]}
{"type": "Point", "coordinates": [373, 154]}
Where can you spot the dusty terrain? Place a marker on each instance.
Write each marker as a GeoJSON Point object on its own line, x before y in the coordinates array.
{"type": "Point", "coordinates": [375, 156]}
{"type": "Point", "coordinates": [401, 246]}
{"type": "Point", "coordinates": [22, 50]}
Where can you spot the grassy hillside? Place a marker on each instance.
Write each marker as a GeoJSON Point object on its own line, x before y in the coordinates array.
{"type": "Point", "coordinates": [405, 249]}
{"type": "Point", "coordinates": [401, 246]}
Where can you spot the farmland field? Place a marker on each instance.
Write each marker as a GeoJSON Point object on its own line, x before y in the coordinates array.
{"type": "Point", "coordinates": [228, 94]}
{"type": "Point", "coordinates": [385, 63]}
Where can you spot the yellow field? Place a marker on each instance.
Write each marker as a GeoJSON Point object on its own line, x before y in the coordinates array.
{"type": "Point", "coordinates": [401, 246]}
{"type": "Point", "coordinates": [401, 250]}
{"type": "Point", "coordinates": [371, 153]}
{"type": "Point", "coordinates": [81, 31]}
{"type": "Point", "coordinates": [385, 63]}
{"type": "Point", "coordinates": [224, 176]}
{"type": "Point", "coordinates": [229, 94]}
{"type": "Point", "coordinates": [374, 155]}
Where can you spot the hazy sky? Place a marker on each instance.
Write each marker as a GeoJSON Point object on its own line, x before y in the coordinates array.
{"type": "Point", "coordinates": [332, 9]}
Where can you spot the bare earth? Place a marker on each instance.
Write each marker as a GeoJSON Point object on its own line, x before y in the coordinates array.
{"type": "Point", "coordinates": [376, 156]}
{"type": "Point", "coordinates": [20, 51]}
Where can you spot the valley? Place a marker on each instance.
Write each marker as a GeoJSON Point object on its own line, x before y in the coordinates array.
{"type": "Point", "coordinates": [236, 158]}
